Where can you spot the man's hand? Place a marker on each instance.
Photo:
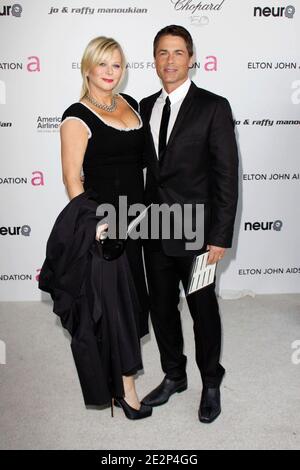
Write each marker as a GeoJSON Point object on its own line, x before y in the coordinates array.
{"type": "Point", "coordinates": [216, 253]}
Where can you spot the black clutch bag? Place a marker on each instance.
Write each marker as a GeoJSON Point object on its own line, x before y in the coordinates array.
{"type": "Point", "coordinates": [111, 249]}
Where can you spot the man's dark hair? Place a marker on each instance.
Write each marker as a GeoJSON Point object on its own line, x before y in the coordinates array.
{"type": "Point", "coordinates": [175, 30]}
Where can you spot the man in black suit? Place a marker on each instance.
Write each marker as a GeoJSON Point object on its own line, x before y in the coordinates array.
{"type": "Point", "coordinates": [191, 157]}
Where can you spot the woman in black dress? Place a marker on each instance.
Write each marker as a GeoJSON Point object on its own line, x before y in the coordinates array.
{"type": "Point", "coordinates": [103, 135]}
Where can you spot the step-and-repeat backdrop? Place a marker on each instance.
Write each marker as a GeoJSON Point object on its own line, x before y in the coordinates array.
{"type": "Point", "coordinates": [245, 50]}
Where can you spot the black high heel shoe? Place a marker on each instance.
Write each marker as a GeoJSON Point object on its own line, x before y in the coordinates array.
{"type": "Point", "coordinates": [132, 413]}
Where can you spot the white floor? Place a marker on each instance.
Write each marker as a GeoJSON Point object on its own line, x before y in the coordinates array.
{"type": "Point", "coordinates": [41, 405]}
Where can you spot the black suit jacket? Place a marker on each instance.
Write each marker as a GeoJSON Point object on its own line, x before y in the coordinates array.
{"type": "Point", "coordinates": [200, 165]}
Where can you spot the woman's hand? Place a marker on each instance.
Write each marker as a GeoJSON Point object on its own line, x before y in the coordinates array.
{"type": "Point", "coordinates": [100, 231]}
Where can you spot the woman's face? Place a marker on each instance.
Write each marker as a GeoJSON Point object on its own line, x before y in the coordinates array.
{"type": "Point", "coordinates": [106, 75]}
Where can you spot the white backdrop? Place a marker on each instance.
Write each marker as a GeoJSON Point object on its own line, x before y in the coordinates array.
{"type": "Point", "coordinates": [245, 50]}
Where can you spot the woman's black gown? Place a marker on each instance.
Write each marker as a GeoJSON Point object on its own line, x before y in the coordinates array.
{"type": "Point", "coordinates": [103, 304]}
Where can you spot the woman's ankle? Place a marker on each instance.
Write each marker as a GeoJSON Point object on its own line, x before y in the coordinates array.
{"type": "Point", "coordinates": [130, 394]}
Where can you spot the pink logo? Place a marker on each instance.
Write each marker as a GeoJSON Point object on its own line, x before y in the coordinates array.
{"type": "Point", "coordinates": [34, 64]}
{"type": "Point", "coordinates": [38, 178]}
{"type": "Point", "coordinates": [211, 64]}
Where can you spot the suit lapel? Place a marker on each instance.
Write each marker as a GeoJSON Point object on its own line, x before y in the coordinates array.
{"type": "Point", "coordinates": [148, 113]}
{"type": "Point", "coordinates": [151, 101]}
{"type": "Point", "coordinates": [187, 102]}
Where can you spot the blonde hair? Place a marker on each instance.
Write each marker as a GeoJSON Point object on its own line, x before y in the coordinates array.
{"type": "Point", "coordinates": [94, 52]}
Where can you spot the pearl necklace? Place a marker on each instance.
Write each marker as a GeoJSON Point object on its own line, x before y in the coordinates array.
{"type": "Point", "coordinates": [105, 107]}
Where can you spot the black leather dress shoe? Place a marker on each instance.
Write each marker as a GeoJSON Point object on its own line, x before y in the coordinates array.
{"type": "Point", "coordinates": [210, 405]}
{"type": "Point", "coordinates": [162, 393]}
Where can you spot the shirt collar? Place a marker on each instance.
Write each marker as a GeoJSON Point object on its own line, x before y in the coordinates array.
{"type": "Point", "coordinates": [177, 94]}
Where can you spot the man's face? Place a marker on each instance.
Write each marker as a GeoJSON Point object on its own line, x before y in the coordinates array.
{"type": "Point", "coordinates": [172, 61]}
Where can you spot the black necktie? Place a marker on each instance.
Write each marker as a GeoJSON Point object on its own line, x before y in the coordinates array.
{"type": "Point", "coordinates": [162, 143]}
